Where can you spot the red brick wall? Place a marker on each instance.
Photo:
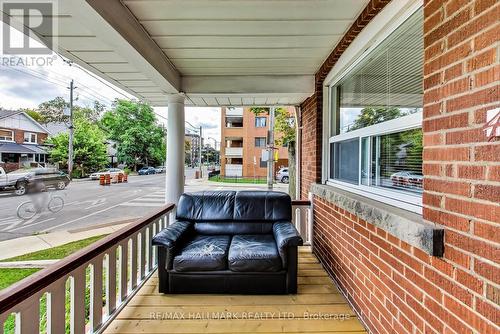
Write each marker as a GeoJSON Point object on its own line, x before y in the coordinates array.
{"type": "Point", "coordinates": [397, 288]}
{"type": "Point", "coordinates": [310, 164]}
{"type": "Point", "coordinates": [19, 136]}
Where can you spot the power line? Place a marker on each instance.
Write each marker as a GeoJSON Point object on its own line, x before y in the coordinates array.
{"type": "Point", "coordinates": [59, 82]}
{"type": "Point", "coordinates": [71, 63]}
{"type": "Point", "coordinates": [101, 81]}
{"type": "Point", "coordinates": [95, 95]}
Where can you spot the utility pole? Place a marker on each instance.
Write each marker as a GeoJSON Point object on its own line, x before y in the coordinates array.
{"type": "Point", "coordinates": [270, 150]}
{"type": "Point", "coordinates": [201, 144]}
{"type": "Point", "coordinates": [71, 130]}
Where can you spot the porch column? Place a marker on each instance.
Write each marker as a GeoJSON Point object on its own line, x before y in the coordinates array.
{"type": "Point", "coordinates": [175, 149]}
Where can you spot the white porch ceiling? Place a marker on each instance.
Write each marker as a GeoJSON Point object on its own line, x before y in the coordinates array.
{"type": "Point", "coordinates": [219, 52]}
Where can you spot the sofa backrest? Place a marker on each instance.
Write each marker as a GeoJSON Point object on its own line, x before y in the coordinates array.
{"type": "Point", "coordinates": [234, 212]}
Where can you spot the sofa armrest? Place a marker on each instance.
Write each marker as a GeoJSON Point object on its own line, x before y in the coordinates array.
{"type": "Point", "coordinates": [286, 235]}
{"type": "Point", "coordinates": [172, 234]}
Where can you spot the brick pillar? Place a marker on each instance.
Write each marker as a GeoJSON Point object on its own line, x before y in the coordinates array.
{"type": "Point", "coordinates": [461, 168]}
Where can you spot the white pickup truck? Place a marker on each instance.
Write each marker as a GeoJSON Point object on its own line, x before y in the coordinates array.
{"type": "Point", "coordinates": [16, 181]}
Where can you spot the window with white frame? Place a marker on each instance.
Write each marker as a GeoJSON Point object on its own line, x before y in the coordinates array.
{"type": "Point", "coordinates": [260, 141]}
{"type": "Point", "coordinates": [6, 135]}
{"type": "Point", "coordinates": [375, 142]}
{"type": "Point", "coordinates": [260, 122]}
{"type": "Point", "coordinates": [30, 137]}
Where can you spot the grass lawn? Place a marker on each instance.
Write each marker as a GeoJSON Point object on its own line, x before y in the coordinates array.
{"type": "Point", "coordinates": [237, 180]}
{"type": "Point", "coordinates": [9, 276]}
{"type": "Point", "coordinates": [58, 252]}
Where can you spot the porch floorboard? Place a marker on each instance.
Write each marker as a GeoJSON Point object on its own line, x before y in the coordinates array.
{"type": "Point", "coordinates": [151, 312]}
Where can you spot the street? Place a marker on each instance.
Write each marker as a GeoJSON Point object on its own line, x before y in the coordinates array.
{"type": "Point", "coordinates": [89, 205]}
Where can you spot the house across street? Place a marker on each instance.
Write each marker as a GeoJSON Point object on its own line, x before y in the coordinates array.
{"type": "Point", "coordinates": [21, 141]}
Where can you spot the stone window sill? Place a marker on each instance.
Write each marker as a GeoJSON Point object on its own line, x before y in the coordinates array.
{"type": "Point", "coordinates": [405, 225]}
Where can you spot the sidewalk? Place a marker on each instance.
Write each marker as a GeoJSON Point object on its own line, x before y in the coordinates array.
{"type": "Point", "coordinates": [33, 243]}
{"type": "Point", "coordinates": [205, 182]}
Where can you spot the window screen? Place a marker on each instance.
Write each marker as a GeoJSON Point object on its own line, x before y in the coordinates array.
{"type": "Point", "coordinates": [386, 84]}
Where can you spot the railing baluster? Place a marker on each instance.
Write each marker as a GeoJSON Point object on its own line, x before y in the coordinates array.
{"type": "Point", "coordinates": [123, 271]}
{"type": "Point", "coordinates": [56, 307]}
{"type": "Point", "coordinates": [169, 217]}
{"type": "Point", "coordinates": [23, 300]}
{"type": "Point", "coordinates": [303, 220]}
{"type": "Point", "coordinates": [142, 255]}
{"type": "Point", "coordinates": [133, 262]}
{"type": "Point", "coordinates": [28, 316]}
{"type": "Point", "coordinates": [111, 281]}
{"type": "Point", "coordinates": [3, 318]}
{"type": "Point", "coordinates": [150, 246]}
{"type": "Point", "coordinates": [310, 220]}
{"type": "Point", "coordinates": [77, 314]}
{"type": "Point", "coordinates": [156, 229]}
{"type": "Point", "coordinates": [96, 293]}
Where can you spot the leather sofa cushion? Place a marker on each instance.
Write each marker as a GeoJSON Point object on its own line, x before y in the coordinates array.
{"type": "Point", "coordinates": [262, 206]}
{"type": "Point", "coordinates": [206, 206]}
{"type": "Point", "coordinates": [232, 206]}
{"type": "Point", "coordinates": [253, 253]}
{"type": "Point", "coordinates": [203, 253]}
{"type": "Point", "coordinates": [233, 228]}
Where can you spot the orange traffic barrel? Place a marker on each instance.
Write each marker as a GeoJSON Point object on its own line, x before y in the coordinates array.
{"type": "Point", "coordinates": [101, 180]}
{"type": "Point", "coordinates": [120, 177]}
{"type": "Point", "coordinates": [125, 177]}
{"type": "Point", "coordinates": [108, 179]}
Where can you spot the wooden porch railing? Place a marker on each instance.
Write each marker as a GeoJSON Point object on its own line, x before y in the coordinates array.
{"type": "Point", "coordinates": [101, 278]}
{"type": "Point", "coordinates": [302, 218]}
{"type": "Point", "coordinates": [83, 292]}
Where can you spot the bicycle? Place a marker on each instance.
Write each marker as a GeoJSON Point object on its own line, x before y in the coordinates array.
{"type": "Point", "coordinates": [29, 209]}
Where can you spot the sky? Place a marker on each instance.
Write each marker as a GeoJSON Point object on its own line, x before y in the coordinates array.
{"type": "Point", "coordinates": [28, 86]}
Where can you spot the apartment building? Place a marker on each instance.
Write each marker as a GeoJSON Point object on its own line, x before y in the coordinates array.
{"type": "Point", "coordinates": [243, 139]}
{"type": "Point", "coordinates": [192, 154]}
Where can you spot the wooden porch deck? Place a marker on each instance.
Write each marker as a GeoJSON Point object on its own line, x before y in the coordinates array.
{"type": "Point", "coordinates": [151, 312]}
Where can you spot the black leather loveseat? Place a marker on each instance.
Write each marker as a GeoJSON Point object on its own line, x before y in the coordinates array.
{"type": "Point", "coordinates": [229, 242]}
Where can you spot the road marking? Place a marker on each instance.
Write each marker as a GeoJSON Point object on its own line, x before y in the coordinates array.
{"type": "Point", "coordinates": [142, 204]}
{"type": "Point", "coordinates": [149, 199]}
{"type": "Point", "coordinates": [17, 222]}
{"type": "Point", "coordinates": [97, 202]}
{"type": "Point", "coordinates": [10, 221]}
{"type": "Point", "coordinates": [83, 217]}
{"type": "Point", "coordinates": [31, 225]}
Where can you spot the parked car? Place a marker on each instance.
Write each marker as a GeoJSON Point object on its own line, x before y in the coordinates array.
{"type": "Point", "coordinates": [111, 171]}
{"type": "Point", "coordinates": [212, 173]}
{"type": "Point", "coordinates": [282, 175]}
{"type": "Point", "coordinates": [42, 178]}
{"type": "Point", "coordinates": [15, 180]}
{"type": "Point", "coordinates": [407, 179]}
{"type": "Point", "coordinates": [160, 169]}
{"type": "Point", "coordinates": [147, 171]}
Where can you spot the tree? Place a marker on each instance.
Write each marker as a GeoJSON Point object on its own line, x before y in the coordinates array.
{"type": "Point", "coordinates": [33, 114]}
{"type": "Point", "coordinates": [285, 127]}
{"type": "Point", "coordinates": [374, 115]}
{"type": "Point", "coordinates": [134, 127]}
{"type": "Point", "coordinates": [187, 152]}
{"type": "Point", "coordinates": [53, 110]}
{"type": "Point", "coordinates": [89, 146]}
{"type": "Point", "coordinates": [286, 131]}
